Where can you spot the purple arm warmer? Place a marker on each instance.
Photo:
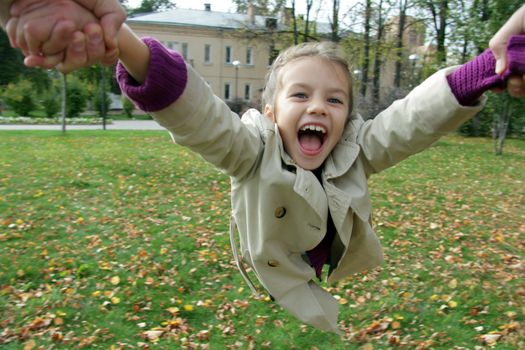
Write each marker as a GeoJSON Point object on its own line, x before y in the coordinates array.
{"type": "Point", "coordinates": [472, 79]}
{"type": "Point", "coordinates": [165, 82]}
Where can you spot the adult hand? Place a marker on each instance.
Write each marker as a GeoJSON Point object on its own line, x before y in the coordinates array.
{"type": "Point", "coordinates": [64, 33]}
{"type": "Point", "coordinates": [498, 45]}
{"type": "Point", "coordinates": [110, 14]}
{"type": "Point", "coordinates": [81, 52]}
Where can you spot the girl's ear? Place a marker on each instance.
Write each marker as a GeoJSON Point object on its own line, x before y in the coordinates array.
{"type": "Point", "coordinates": [268, 111]}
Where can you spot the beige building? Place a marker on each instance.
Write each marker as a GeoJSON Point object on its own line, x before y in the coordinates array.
{"type": "Point", "coordinates": [216, 44]}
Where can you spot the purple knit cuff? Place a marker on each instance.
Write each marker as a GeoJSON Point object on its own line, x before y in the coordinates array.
{"type": "Point", "coordinates": [516, 55]}
{"type": "Point", "coordinates": [472, 79]}
{"type": "Point", "coordinates": [165, 81]}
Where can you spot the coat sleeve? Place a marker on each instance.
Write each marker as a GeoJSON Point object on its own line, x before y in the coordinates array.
{"type": "Point", "coordinates": [413, 123]}
{"type": "Point", "coordinates": [4, 11]}
{"type": "Point", "coordinates": [182, 102]}
{"type": "Point", "coordinates": [204, 123]}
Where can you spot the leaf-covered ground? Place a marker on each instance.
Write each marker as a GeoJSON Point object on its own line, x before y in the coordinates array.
{"type": "Point", "coordinates": [118, 240]}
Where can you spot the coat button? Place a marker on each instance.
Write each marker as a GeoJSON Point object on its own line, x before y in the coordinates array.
{"type": "Point", "coordinates": [273, 263]}
{"type": "Point", "coordinates": [280, 212]}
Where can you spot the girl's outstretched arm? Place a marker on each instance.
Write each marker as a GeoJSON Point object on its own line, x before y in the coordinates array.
{"type": "Point", "coordinates": [133, 53]}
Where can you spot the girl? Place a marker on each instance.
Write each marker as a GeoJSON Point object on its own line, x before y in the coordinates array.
{"type": "Point", "coordinates": [299, 170]}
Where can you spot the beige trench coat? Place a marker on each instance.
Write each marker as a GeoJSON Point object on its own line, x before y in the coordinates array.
{"type": "Point", "coordinates": [280, 210]}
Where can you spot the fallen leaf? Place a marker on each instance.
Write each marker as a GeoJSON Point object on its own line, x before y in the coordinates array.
{"type": "Point", "coordinates": [490, 339]}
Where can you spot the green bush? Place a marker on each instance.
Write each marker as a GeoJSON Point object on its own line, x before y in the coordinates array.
{"type": "Point", "coordinates": [20, 97]}
{"type": "Point", "coordinates": [76, 97]}
{"type": "Point", "coordinates": [51, 101]}
{"type": "Point", "coordinates": [98, 104]}
{"type": "Point", "coordinates": [127, 107]}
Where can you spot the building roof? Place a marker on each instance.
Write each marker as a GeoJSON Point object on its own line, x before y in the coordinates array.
{"type": "Point", "coordinates": [199, 18]}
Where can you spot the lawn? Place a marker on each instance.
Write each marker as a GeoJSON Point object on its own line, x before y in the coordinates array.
{"type": "Point", "coordinates": [119, 240]}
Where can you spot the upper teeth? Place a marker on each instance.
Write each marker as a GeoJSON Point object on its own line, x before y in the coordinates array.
{"type": "Point", "coordinates": [313, 128]}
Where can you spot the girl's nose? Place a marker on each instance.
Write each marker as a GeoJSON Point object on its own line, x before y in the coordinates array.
{"type": "Point", "coordinates": [317, 106]}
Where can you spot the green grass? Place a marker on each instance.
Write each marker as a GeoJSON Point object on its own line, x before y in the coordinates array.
{"type": "Point", "coordinates": [104, 234]}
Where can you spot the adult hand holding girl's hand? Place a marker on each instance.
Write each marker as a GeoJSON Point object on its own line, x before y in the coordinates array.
{"type": "Point", "coordinates": [499, 43]}
{"type": "Point", "coordinates": [68, 34]}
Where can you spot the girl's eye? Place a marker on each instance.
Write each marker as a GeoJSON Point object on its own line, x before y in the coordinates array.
{"type": "Point", "coordinates": [299, 95]}
{"type": "Point", "coordinates": [335, 100]}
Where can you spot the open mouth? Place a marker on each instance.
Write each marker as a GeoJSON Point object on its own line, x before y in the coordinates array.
{"type": "Point", "coordinates": [311, 138]}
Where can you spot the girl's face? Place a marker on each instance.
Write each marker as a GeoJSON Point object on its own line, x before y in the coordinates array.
{"type": "Point", "coordinates": [311, 109]}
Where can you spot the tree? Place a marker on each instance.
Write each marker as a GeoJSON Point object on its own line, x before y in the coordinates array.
{"type": "Point", "coordinates": [378, 51]}
{"type": "Point", "coordinates": [502, 115]}
{"type": "Point", "coordinates": [13, 67]}
{"type": "Point", "coordinates": [402, 6]}
{"type": "Point", "coordinates": [334, 24]}
{"type": "Point", "coordinates": [439, 10]}
{"type": "Point", "coordinates": [309, 4]}
{"type": "Point", "coordinates": [262, 7]}
{"type": "Point", "coordinates": [152, 6]}
{"type": "Point", "coordinates": [12, 61]}
{"type": "Point", "coordinates": [366, 45]}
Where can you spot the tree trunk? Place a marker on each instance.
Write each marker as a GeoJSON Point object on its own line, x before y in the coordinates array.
{"type": "Point", "coordinates": [64, 101]}
{"type": "Point", "coordinates": [377, 55]}
{"type": "Point", "coordinates": [443, 17]}
{"type": "Point", "coordinates": [440, 17]}
{"type": "Point", "coordinates": [103, 111]}
{"type": "Point", "coordinates": [501, 125]}
{"type": "Point", "coordinates": [309, 4]}
{"type": "Point", "coordinates": [399, 44]}
{"type": "Point", "coordinates": [366, 58]}
{"type": "Point", "coordinates": [294, 19]}
{"type": "Point", "coordinates": [335, 21]}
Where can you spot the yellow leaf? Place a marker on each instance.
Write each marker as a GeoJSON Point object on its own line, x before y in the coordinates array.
{"type": "Point", "coordinates": [343, 301]}
{"type": "Point", "coordinates": [173, 310]}
{"type": "Point", "coordinates": [115, 300]}
{"type": "Point", "coordinates": [153, 335]}
{"type": "Point", "coordinates": [188, 308]}
{"type": "Point", "coordinates": [452, 304]}
{"type": "Point", "coordinates": [29, 345]}
{"type": "Point", "coordinates": [95, 294]}
{"type": "Point", "coordinates": [490, 339]}
{"type": "Point", "coordinates": [453, 284]}
{"type": "Point", "coordinates": [115, 280]}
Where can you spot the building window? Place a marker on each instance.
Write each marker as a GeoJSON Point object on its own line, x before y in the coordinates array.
{"type": "Point", "coordinates": [172, 45]}
{"type": "Point", "coordinates": [227, 91]}
{"type": "Point", "coordinates": [247, 92]}
{"type": "Point", "coordinates": [184, 50]}
{"type": "Point", "coordinates": [249, 55]}
{"type": "Point", "coordinates": [228, 55]}
{"type": "Point", "coordinates": [207, 53]}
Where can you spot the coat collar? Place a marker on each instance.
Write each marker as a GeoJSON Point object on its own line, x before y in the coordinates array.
{"type": "Point", "coordinates": [340, 159]}
{"type": "Point", "coordinates": [346, 151]}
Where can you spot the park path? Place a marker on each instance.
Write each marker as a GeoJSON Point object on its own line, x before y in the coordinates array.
{"type": "Point", "coordinates": [115, 125]}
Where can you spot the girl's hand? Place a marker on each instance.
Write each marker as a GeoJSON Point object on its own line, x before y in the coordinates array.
{"type": "Point", "coordinates": [498, 45]}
